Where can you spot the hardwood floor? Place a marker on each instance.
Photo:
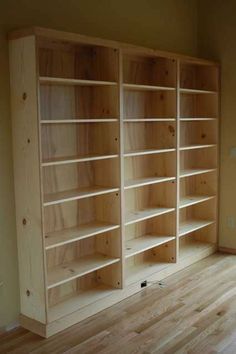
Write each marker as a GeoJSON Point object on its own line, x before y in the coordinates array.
{"type": "Point", "coordinates": [193, 311]}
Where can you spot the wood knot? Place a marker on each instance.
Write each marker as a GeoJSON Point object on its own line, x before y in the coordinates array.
{"type": "Point", "coordinates": [171, 129]}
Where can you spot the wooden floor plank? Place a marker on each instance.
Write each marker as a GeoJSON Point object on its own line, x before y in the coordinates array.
{"type": "Point", "coordinates": [193, 311]}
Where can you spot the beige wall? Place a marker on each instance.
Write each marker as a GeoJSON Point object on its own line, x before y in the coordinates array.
{"type": "Point", "coordinates": [217, 39]}
{"type": "Point", "coordinates": [168, 25]}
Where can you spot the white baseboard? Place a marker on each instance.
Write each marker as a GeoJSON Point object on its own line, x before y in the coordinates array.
{"type": "Point", "coordinates": [10, 327]}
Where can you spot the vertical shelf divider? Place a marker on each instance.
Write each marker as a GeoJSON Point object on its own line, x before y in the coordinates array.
{"type": "Point", "coordinates": [218, 157]}
{"type": "Point", "coordinates": [122, 191]}
{"type": "Point", "coordinates": [41, 179]}
{"type": "Point", "coordinates": [177, 155]}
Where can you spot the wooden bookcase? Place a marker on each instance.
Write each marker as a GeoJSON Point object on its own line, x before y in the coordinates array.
{"type": "Point", "coordinates": [116, 170]}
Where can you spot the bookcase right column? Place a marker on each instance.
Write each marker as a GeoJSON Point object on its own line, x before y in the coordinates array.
{"type": "Point", "coordinates": [198, 116]}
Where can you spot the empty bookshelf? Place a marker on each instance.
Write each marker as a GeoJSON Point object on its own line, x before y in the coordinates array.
{"type": "Point", "coordinates": [116, 170]}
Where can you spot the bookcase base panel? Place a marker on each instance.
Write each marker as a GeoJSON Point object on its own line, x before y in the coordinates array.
{"type": "Point", "coordinates": [48, 330]}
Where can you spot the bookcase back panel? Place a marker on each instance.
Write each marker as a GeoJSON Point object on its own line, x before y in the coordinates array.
{"type": "Point", "coordinates": [157, 254]}
{"type": "Point", "coordinates": [202, 211]}
{"type": "Point", "coordinates": [101, 173]}
{"type": "Point", "coordinates": [104, 208]}
{"type": "Point", "coordinates": [60, 102]}
{"type": "Point", "coordinates": [157, 165]}
{"type": "Point", "coordinates": [148, 262]}
{"type": "Point", "coordinates": [57, 59]}
{"type": "Point", "coordinates": [66, 140]}
{"type": "Point", "coordinates": [200, 77]}
{"type": "Point", "coordinates": [204, 235]}
{"type": "Point", "coordinates": [163, 225]}
{"type": "Point", "coordinates": [198, 105]}
{"type": "Point", "coordinates": [141, 136]}
{"type": "Point", "coordinates": [157, 195]}
{"type": "Point", "coordinates": [200, 158]}
{"type": "Point", "coordinates": [83, 291]}
{"type": "Point", "coordinates": [198, 133]}
{"type": "Point", "coordinates": [197, 241]}
{"type": "Point", "coordinates": [149, 71]}
{"type": "Point", "coordinates": [148, 104]}
{"type": "Point", "coordinates": [204, 184]}
{"type": "Point", "coordinates": [107, 244]}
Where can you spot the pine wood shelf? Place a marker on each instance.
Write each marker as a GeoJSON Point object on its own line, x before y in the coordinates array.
{"type": "Point", "coordinates": [68, 121]}
{"type": "Point", "coordinates": [192, 172]}
{"type": "Point", "coordinates": [79, 300]}
{"type": "Point", "coordinates": [191, 248]}
{"type": "Point", "coordinates": [137, 87]}
{"type": "Point", "coordinates": [63, 237]}
{"type": "Point", "coordinates": [197, 119]}
{"type": "Point", "coordinates": [65, 81]}
{"type": "Point", "coordinates": [116, 170]}
{"type": "Point", "coordinates": [140, 215]}
{"type": "Point", "coordinates": [75, 194]}
{"type": "Point", "coordinates": [147, 152]}
{"type": "Point", "coordinates": [73, 159]}
{"type": "Point", "coordinates": [144, 270]}
{"type": "Point", "coordinates": [193, 225]}
{"type": "Point", "coordinates": [65, 272]}
{"type": "Point", "coordinates": [193, 147]}
{"type": "Point", "coordinates": [141, 120]}
{"type": "Point", "coordinates": [140, 182]}
{"type": "Point", "coordinates": [193, 199]}
{"type": "Point", "coordinates": [144, 243]}
{"type": "Point", "coordinates": [196, 91]}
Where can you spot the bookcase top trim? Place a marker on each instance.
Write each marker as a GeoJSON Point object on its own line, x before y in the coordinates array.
{"type": "Point", "coordinates": [83, 39]}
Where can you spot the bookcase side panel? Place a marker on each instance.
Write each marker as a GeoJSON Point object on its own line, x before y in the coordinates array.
{"type": "Point", "coordinates": [24, 106]}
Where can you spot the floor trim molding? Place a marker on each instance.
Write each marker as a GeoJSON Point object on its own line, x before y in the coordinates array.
{"type": "Point", "coordinates": [227, 250]}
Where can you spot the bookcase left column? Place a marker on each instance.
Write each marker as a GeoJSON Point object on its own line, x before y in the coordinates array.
{"type": "Point", "coordinates": [27, 176]}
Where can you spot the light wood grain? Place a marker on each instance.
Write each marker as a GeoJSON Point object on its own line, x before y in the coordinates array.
{"type": "Point", "coordinates": [74, 159]}
{"type": "Point", "coordinates": [70, 271]}
{"type": "Point", "coordinates": [74, 194]}
{"type": "Point", "coordinates": [202, 305]}
{"type": "Point", "coordinates": [140, 182]}
{"type": "Point", "coordinates": [192, 225]}
{"type": "Point", "coordinates": [26, 150]}
{"type": "Point", "coordinates": [126, 155]}
{"type": "Point", "coordinates": [198, 77]}
{"type": "Point", "coordinates": [139, 215]}
{"type": "Point", "coordinates": [192, 172]}
{"type": "Point", "coordinates": [144, 243]}
{"type": "Point", "coordinates": [59, 238]}
{"type": "Point", "coordinates": [193, 199]}
{"type": "Point", "coordinates": [135, 87]}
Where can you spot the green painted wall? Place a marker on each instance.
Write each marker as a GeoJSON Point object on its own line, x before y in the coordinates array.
{"type": "Point", "coordinates": [167, 25]}
{"type": "Point", "coordinates": [217, 34]}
